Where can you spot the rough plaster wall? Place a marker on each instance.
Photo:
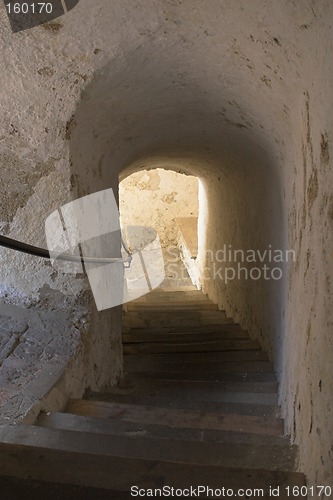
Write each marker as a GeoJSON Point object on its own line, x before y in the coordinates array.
{"type": "Point", "coordinates": [155, 198]}
{"type": "Point", "coordinates": [233, 211]}
{"type": "Point", "coordinates": [308, 339]}
{"type": "Point", "coordinates": [235, 92]}
{"type": "Point", "coordinates": [43, 78]}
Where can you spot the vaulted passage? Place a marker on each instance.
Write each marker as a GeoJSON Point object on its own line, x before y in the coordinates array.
{"type": "Point", "coordinates": [234, 93]}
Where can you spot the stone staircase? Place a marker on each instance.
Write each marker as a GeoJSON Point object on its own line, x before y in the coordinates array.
{"type": "Point", "coordinates": [197, 406]}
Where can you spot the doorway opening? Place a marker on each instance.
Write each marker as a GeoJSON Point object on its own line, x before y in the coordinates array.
{"type": "Point", "coordinates": [166, 202]}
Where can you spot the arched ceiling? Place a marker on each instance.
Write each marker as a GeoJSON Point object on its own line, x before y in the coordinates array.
{"type": "Point", "coordinates": [213, 79]}
{"type": "Point", "coordinates": [160, 101]}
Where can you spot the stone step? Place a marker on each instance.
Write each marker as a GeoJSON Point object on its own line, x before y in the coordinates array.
{"type": "Point", "coordinates": [171, 290]}
{"type": "Point", "coordinates": [251, 398]}
{"type": "Point", "coordinates": [13, 488]}
{"type": "Point", "coordinates": [198, 315]}
{"type": "Point", "coordinates": [230, 332]}
{"type": "Point", "coordinates": [167, 297]}
{"type": "Point", "coordinates": [157, 319]}
{"type": "Point", "coordinates": [172, 417]}
{"type": "Point", "coordinates": [204, 375]}
{"type": "Point", "coordinates": [62, 456]}
{"type": "Point", "coordinates": [216, 367]}
{"type": "Point", "coordinates": [176, 449]}
{"type": "Point", "coordinates": [179, 328]}
{"type": "Point", "coordinates": [206, 389]}
{"type": "Point", "coordinates": [68, 421]}
{"type": "Point", "coordinates": [191, 347]}
{"type": "Point", "coordinates": [173, 306]}
{"type": "Point", "coordinates": [260, 393]}
{"type": "Point", "coordinates": [263, 410]}
{"type": "Point", "coordinates": [255, 356]}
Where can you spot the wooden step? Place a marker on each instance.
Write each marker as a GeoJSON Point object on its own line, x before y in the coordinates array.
{"type": "Point", "coordinates": [177, 417]}
{"type": "Point", "coordinates": [57, 456]}
{"type": "Point", "coordinates": [175, 449]}
{"type": "Point", "coordinates": [78, 423]}
{"type": "Point", "coordinates": [263, 410]}
{"type": "Point", "coordinates": [196, 346]}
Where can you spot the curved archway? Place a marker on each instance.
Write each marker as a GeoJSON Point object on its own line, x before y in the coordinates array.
{"type": "Point", "coordinates": [138, 115]}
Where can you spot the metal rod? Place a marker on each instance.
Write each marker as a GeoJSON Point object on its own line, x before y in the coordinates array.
{"type": "Point", "coordinates": [144, 267]}
{"type": "Point", "coordinates": [45, 254]}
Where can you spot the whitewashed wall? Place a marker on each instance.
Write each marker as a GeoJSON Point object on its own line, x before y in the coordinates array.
{"type": "Point", "coordinates": [155, 198]}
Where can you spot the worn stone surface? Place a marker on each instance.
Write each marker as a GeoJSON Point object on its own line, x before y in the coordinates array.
{"type": "Point", "coordinates": [47, 354]}
{"type": "Point", "coordinates": [237, 93]}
